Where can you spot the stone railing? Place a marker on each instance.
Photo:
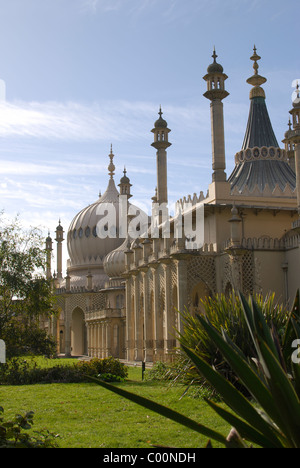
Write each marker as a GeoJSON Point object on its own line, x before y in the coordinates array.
{"type": "Point", "coordinates": [267, 243]}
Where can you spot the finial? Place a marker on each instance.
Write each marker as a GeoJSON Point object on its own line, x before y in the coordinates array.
{"type": "Point", "coordinates": [124, 172]}
{"type": "Point", "coordinates": [256, 80]}
{"type": "Point", "coordinates": [111, 167]}
{"type": "Point", "coordinates": [160, 111]}
{"type": "Point", "coordinates": [214, 55]}
{"type": "Point", "coordinates": [255, 58]}
{"type": "Point", "coordinates": [290, 124]}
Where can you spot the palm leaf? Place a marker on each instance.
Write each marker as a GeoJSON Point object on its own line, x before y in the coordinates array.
{"type": "Point", "coordinates": [232, 397]}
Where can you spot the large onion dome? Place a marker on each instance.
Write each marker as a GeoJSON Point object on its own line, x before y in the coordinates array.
{"type": "Point", "coordinates": [87, 243]}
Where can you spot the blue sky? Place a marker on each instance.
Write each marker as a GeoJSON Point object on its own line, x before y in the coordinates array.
{"type": "Point", "coordinates": [82, 74]}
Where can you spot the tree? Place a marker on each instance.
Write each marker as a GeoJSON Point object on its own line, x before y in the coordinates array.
{"type": "Point", "coordinates": [25, 293]}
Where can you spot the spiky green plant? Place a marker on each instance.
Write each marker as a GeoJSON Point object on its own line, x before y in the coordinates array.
{"type": "Point", "coordinates": [271, 418]}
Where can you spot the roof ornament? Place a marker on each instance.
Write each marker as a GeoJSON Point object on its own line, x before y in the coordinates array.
{"type": "Point", "coordinates": [214, 55]}
{"type": "Point", "coordinates": [111, 167]}
{"type": "Point", "coordinates": [256, 80]}
{"type": "Point", "coordinates": [215, 67]}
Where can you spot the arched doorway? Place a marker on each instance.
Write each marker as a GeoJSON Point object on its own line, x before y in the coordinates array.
{"type": "Point", "coordinates": [199, 293]}
{"type": "Point", "coordinates": [78, 333]}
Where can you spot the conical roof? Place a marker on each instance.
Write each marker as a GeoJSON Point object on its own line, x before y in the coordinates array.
{"type": "Point", "coordinates": [259, 131]}
{"type": "Point", "coordinates": [260, 163]}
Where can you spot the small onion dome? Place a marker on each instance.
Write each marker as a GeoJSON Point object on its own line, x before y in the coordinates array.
{"type": "Point", "coordinates": [114, 262]}
{"type": "Point", "coordinates": [289, 133]}
{"type": "Point", "coordinates": [59, 227]}
{"type": "Point", "coordinates": [160, 123]}
{"type": "Point", "coordinates": [125, 179]}
{"type": "Point", "coordinates": [296, 102]}
{"type": "Point", "coordinates": [215, 67]}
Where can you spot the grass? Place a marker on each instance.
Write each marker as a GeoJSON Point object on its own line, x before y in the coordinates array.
{"type": "Point", "coordinates": [87, 416]}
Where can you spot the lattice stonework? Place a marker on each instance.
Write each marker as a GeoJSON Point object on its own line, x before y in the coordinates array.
{"type": "Point", "coordinates": [226, 272]}
{"type": "Point", "coordinates": [150, 281]}
{"type": "Point", "coordinates": [60, 302]}
{"type": "Point", "coordinates": [161, 277]}
{"type": "Point", "coordinates": [248, 273]}
{"type": "Point", "coordinates": [77, 300]}
{"type": "Point", "coordinates": [173, 275]}
{"type": "Point", "coordinates": [141, 284]}
{"type": "Point", "coordinates": [98, 301]}
{"type": "Point", "coordinates": [132, 287]}
{"type": "Point", "coordinates": [202, 269]}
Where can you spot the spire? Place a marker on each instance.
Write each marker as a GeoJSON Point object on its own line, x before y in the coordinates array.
{"type": "Point", "coordinates": [261, 164]}
{"type": "Point", "coordinates": [111, 167]}
{"type": "Point", "coordinates": [259, 131]}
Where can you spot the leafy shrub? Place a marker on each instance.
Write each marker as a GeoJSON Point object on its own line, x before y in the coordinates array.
{"type": "Point", "coordinates": [159, 371]}
{"type": "Point", "coordinates": [12, 433]}
{"type": "Point", "coordinates": [110, 378]}
{"type": "Point", "coordinates": [108, 365]}
{"type": "Point", "coordinates": [19, 371]}
{"type": "Point", "coordinates": [23, 340]}
{"type": "Point", "coordinates": [224, 313]}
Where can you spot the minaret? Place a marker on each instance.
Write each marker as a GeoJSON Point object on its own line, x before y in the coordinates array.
{"type": "Point", "coordinates": [49, 245]}
{"type": "Point", "coordinates": [59, 239]}
{"type": "Point", "coordinates": [216, 92]}
{"type": "Point", "coordinates": [294, 138]}
{"type": "Point", "coordinates": [161, 143]}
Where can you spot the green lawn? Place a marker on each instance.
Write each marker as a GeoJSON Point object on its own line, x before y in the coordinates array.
{"type": "Point", "coordinates": [88, 416]}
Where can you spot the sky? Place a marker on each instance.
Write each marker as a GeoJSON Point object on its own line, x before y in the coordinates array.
{"type": "Point", "coordinates": [79, 75]}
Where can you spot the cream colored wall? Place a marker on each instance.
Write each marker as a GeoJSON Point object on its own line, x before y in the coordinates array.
{"type": "Point", "coordinates": [255, 224]}
{"type": "Point", "coordinates": [266, 223]}
{"type": "Point", "coordinates": [269, 273]}
{"type": "Point", "coordinates": [293, 274]}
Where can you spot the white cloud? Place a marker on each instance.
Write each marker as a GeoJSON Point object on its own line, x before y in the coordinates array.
{"type": "Point", "coordinates": [106, 121]}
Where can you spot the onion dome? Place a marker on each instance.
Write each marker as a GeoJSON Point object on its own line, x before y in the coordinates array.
{"type": "Point", "coordinates": [90, 241]}
{"type": "Point", "coordinates": [125, 185]}
{"type": "Point", "coordinates": [296, 101]}
{"type": "Point", "coordinates": [289, 133]}
{"type": "Point", "coordinates": [114, 262]}
{"type": "Point", "coordinates": [59, 227]}
{"type": "Point", "coordinates": [160, 123]}
{"type": "Point", "coordinates": [125, 179]}
{"type": "Point", "coordinates": [215, 67]}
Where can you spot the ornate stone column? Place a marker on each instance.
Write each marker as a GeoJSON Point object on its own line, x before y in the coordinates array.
{"type": "Point", "coordinates": [155, 311]}
{"type": "Point", "coordinates": [182, 299]}
{"type": "Point", "coordinates": [169, 315]}
{"type": "Point", "coordinates": [148, 333]}
{"type": "Point", "coordinates": [138, 323]}
{"type": "Point", "coordinates": [108, 338]}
